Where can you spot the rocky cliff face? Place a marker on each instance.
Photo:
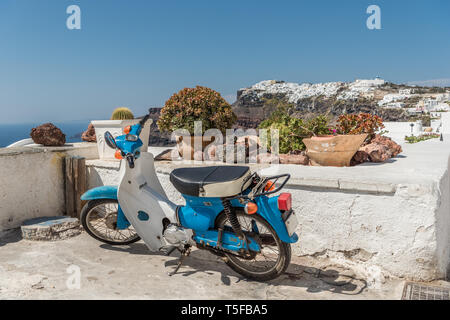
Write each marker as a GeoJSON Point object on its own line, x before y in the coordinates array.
{"type": "Point", "coordinates": [158, 138]}
{"type": "Point", "coordinates": [333, 98]}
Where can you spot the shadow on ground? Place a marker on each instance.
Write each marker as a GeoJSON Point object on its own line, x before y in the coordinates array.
{"type": "Point", "coordinates": [10, 236]}
{"type": "Point", "coordinates": [314, 279]}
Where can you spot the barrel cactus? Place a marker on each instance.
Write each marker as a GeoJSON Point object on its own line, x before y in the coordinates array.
{"type": "Point", "coordinates": [122, 113]}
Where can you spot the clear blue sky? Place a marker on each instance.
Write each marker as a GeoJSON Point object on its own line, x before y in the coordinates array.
{"type": "Point", "coordinates": [137, 53]}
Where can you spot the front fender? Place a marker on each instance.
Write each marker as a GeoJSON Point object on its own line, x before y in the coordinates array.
{"type": "Point", "coordinates": [103, 192]}
{"type": "Point", "coordinates": [107, 192]}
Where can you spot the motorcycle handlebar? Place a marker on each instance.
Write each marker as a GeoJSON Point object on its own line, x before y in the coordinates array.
{"type": "Point", "coordinates": [130, 160]}
{"type": "Point", "coordinates": [144, 120]}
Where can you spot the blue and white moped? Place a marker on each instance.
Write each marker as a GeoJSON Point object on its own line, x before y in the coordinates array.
{"type": "Point", "coordinates": [229, 211]}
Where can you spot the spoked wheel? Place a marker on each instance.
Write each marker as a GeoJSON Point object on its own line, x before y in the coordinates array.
{"type": "Point", "coordinates": [99, 219]}
{"type": "Point", "coordinates": [274, 257]}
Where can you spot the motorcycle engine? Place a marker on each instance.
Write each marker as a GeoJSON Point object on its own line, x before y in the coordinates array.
{"type": "Point", "coordinates": [176, 235]}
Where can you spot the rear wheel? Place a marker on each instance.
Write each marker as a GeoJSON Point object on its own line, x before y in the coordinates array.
{"type": "Point", "coordinates": [275, 254]}
{"type": "Point", "coordinates": [99, 219]}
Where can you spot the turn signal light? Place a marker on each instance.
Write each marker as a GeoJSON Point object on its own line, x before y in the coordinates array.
{"type": "Point", "coordinates": [118, 155]}
{"type": "Point", "coordinates": [127, 129]}
{"type": "Point", "coordinates": [251, 208]}
{"type": "Point", "coordinates": [270, 186]}
{"type": "Point", "coordinates": [285, 202]}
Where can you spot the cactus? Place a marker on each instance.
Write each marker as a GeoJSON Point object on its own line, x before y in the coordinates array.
{"type": "Point", "coordinates": [122, 113]}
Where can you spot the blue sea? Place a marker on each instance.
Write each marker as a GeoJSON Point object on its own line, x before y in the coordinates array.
{"type": "Point", "coordinates": [10, 133]}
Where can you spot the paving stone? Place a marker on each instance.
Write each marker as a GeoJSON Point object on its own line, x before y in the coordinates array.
{"type": "Point", "coordinates": [50, 228]}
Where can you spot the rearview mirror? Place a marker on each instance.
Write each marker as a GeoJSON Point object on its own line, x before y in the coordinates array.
{"type": "Point", "coordinates": [110, 141]}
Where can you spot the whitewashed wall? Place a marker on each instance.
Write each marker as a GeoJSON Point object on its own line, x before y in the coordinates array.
{"type": "Point", "coordinates": [32, 182]}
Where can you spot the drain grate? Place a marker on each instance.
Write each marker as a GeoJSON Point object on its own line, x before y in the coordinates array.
{"type": "Point", "coordinates": [419, 291]}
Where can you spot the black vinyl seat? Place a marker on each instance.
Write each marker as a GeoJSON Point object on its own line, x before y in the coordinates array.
{"type": "Point", "coordinates": [215, 181]}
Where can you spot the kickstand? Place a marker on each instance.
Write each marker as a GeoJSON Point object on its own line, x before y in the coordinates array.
{"type": "Point", "coordinates": [184, 254]}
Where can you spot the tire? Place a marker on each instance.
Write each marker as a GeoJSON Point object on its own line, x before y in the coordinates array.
{"type": "Point", "coordinates": [85, 218]}
{"type": "Point", "coordinates": [265, 240]}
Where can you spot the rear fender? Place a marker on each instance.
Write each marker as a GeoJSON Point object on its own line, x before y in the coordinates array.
{"type": "Point", "coordinates": [268, 209]}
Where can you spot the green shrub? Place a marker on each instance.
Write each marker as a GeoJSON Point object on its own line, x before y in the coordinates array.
{"type": "Point", "coordinates": [292, 130]}
{"type": "Point", "coordinates": [122, 113]}
{"type": "Point", "coordinates": [423, 137]}
{"type": "Point", "coordinates": [196, 104]}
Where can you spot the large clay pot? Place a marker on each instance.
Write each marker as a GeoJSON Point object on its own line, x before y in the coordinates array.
{"type": "Point", "coordinates": [335, 151]}
{"type": "Point", "coordinates": [186, 146]}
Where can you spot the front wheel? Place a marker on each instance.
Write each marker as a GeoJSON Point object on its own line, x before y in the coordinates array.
{"type": "Point", "coordinates": [99, 219]}
{"type": "Point", "coordinates": [275, 254]}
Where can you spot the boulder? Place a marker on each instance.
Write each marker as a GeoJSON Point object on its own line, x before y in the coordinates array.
{"type": "Point", "coordinates": [48, 135]}
{"type": "Point", "coordinates": [394, 148]}
{"type": "Point", "coordinates": [359, 157]}
{"type": "Point", "coordinates": [89, 134]}
{"type": "Point", "coordinates": [379, 149]}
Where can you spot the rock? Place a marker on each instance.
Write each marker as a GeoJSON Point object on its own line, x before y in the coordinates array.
{"type": "Point", "coordinates": [379, 149]}
{"type": "Point", "coordinates": [301, 159]}
{"type": "Point", "coordinates": [48, 135]}
{"type": "Point", "coordinates": [89, 134]}
{"type": "Point", "coordinates": [394, 148]}
{"type": "Point", "coordinates": [359, 157]}
{"type": "Point", "coordinates": [50, 228]}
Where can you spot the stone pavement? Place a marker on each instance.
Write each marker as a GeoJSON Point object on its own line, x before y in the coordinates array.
{"type": "Point", "coordinates": [40, 270]}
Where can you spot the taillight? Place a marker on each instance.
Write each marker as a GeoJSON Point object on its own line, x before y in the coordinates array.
{"type": "Point", "coordinates": [285, 202]}
{"type": "Point", "coordinates": [270, 186]}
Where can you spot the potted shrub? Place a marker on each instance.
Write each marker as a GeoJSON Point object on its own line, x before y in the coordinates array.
{"type": "Point", "coordinates": [293, 130]}
{"type": "Point", "coordinates": [120, 118]}
{"type": "Point", "coordinates": [352, 131]}
{"type": "Point", "coordinates": [195, 104]}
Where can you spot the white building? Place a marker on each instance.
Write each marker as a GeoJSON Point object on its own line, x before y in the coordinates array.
{"type": "Point", "coordinates": [394, 105]}
{"type": "Point", "coordinates": [406, 91]}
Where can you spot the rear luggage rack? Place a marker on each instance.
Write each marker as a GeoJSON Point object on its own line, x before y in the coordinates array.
{"type": "Point", "coordinates": [261, 182]}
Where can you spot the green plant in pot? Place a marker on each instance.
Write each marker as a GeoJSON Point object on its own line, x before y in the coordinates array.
{"type": "Point", "coordinates": [292, 130]}
{"type": "Point", "coordinates": [195, 104]}
{"type": "Point", "coordinates": [122, 113]}
{"type": "Point", "coordinates": [352, 130]}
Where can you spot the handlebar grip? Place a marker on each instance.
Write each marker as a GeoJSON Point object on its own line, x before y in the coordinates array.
{"type": "Point", "coordinates": [130, 160]}
{"type": "Point", "coordinates": [144, 120]}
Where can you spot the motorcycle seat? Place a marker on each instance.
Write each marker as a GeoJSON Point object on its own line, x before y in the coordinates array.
{"type": "Point", "coordinates": [215, 181]}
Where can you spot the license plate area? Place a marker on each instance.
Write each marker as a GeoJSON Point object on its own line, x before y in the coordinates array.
{"type": "Point", "coordinates": [291, 222]}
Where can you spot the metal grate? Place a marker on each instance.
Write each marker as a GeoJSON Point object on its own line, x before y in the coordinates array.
{"type": "Point", "coordinates": [418, 291]}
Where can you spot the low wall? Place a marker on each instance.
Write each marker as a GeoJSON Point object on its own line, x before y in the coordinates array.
{"type": "Point", "coordinates": [445, 118]}
{"type": "Point", "coordinates": [32, 181]}
{"type": "Point", "coordinates": [390, 219]}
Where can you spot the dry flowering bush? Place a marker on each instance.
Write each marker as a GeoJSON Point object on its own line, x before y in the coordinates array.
{"type": "Point", "coordinates": [196, 104]}
{"type": "Point", "coordinates": [359, 124]}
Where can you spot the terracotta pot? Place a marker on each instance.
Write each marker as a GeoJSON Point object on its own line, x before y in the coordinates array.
{"type": "Point", "coordinates": [186, 146]}
{"type": "Point", "coordinates": [335, 151]}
